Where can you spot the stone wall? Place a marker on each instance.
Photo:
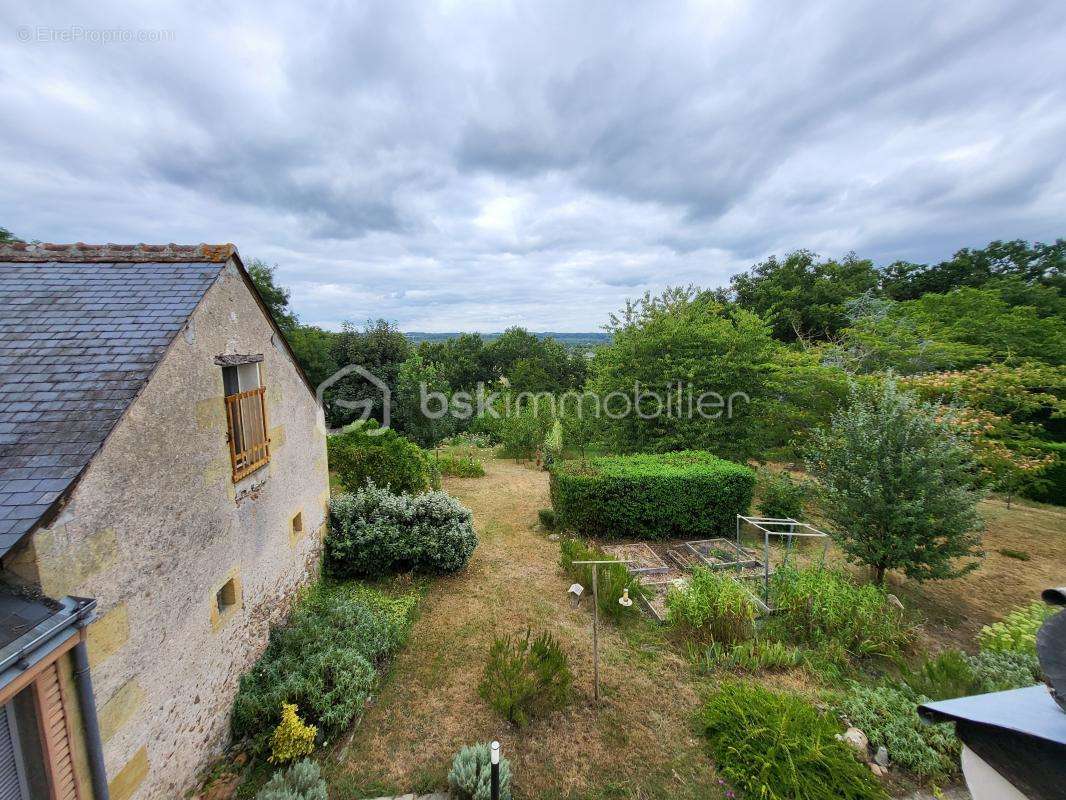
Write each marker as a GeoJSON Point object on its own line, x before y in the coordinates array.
{"type": "Point", "coordinates": [156, 527]}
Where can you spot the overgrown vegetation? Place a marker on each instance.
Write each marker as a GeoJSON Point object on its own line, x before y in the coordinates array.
{"type": "Point", "coordinates": [459, 465]}
{"type": "Point", "coordinates": [526, 677]}
{"type": "Point", "coordinates": [888, 715]}
{"type": "Point", "coordinates": [374, 532]}
{"type": "Point", "coordinates": [827, 609]}
{"type": "Point", "coordinates": [776, 746]}
{"type": "Point", "coordinates": [754, 655]}
{"type": "Point", "coordinates": [712, 605]}
{"type": "Point", "coordinates": [363, 454]}
{"type": "Point", "coordinates": [325, 660]}
{"type": "Point", "coordinates": [685, 494]}
{"type": "Point", "coordinates": [781, 496]}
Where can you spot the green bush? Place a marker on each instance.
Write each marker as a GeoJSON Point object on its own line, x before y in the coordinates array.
{"type": "Point", "coordinates": [375, 532]}
{"type": "Point", "coordinates": [457, 465]}
{"type": "Point", "coordinates": [712, 605]}
{"type": "Point", "coordinates": [325, 660]}
{"type": "Point", "coordinates": [470, 775]}
{"type": "Point", "coordinates": [613, 579]}
{"type": "Point", "coordinates": [888, 715]}
{"type": "Point", "coordinates": [1017, 631]}
{"type": "Point", "coordinates": [1050, 483]}
{"type": "Point", "coordinates": [685, 494]}
{"type": "Point", "coordinates": [776, 746]}
{"type": "Point", "coordinates": [752, 656]}
{"type": "Point", "coordinates": [824, 608]}
{"type": "Point", "coordinates": [944, 676]}
{"type": "Point", "coordinates": [998, 671]}
{"type": "Point", "coordinates": [547, 518]}
{"type": "Point", "coordinates": [301, 781]}
{"type": "Point", "coordinates": [780, 496]}
{"type": "Point", "coordinates": [526, 677]}
{"type": "Point", "coordinates": [363, 454]}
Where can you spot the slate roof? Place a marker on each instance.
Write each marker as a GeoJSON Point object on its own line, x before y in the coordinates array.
{"type": "Point", "coordinates": [82, 327]}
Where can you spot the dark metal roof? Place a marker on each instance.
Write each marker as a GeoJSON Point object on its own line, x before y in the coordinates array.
{"type": "Point", "coordinates": [79, 337]}
{"type": "Point", "coordinates": [1029, 711]}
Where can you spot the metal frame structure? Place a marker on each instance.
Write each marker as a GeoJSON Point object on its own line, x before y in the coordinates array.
{"type": "Point", "coordinates": [787, 529]}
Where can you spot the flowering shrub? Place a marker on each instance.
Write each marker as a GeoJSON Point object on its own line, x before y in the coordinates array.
{"type": "Point", "coordinates": [292, 738]}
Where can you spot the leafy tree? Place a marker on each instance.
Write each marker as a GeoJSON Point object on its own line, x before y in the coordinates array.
{"type": "Point", "coordinates": [684, 344]}
{"type": "Point", "coordinates": [414, 375]}
{"type": "Point", "coordinates": [464, 359]}
{"type": "Point", "coordinates": [1030, 263]}
{"type": "Point", "coordinates": [897, 485]}
{"type": "Point", "coordinates": [7, 237]}
{"type": "Point", "coordinates": [581, 417]}
{"type": "Point", "coordinates": [276, 298]}
{"type": "Point", "coordinates": [535, 364]}
{"type": "Point", "coordinates": [314, 350]}
{"type": "Point", "coordinates": [802, 296]}
{"type": "Point", "coordinates": [380, 348]}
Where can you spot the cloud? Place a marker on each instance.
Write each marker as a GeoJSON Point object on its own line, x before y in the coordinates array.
{"type": "Point", "coordinates": [472, 166]}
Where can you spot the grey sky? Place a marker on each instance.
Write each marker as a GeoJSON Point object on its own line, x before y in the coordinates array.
{"type": "Point", "coordinates": [458, 166]}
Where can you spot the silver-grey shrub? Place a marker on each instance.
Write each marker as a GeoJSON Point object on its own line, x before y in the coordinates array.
{"type": "Point", "coordinates": [470, 776]}
{"type": "Point", "coordinates": [374, 532]}
{"type": "Point", "coordinates": [301, 781]}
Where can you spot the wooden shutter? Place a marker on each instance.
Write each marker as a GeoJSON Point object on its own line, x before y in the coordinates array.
{"type": "Point", "coordinates": [55, 735]}
{"type": "Point", "coordinates": [12, 782]}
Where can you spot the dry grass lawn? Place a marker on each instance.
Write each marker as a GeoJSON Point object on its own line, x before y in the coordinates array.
{"type": "Point", "coordinates": [640, 742]}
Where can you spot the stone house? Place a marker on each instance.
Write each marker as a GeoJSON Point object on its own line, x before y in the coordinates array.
{"type": "Point", "coordinates": [163, 493]}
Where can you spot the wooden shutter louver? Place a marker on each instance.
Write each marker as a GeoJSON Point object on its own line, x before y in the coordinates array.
{"type": "Point", "coordinates": [249, 447]}
{"type": "Point", "coordinates": [56, 735]}
{"type": "Point", "coordinates": [12, 785]}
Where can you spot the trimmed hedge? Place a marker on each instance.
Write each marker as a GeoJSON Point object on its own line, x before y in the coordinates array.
{"type": "Point", "coordinates": [685, 494]}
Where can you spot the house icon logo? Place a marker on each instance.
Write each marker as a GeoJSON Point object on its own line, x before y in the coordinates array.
{"type": "Point", "coordinates": [365, 407]}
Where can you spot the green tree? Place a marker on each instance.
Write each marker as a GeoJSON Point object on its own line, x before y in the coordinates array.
{"type": "Point", "coordinates": [1030, 263]}
{"type": "Point", "coordinates": [380, 348]}
{"type": "Point", "coordinates": [686, 344]}
{"type": "Point", "coordinates": [897, 485]}
{"type": "Point", "coordinates": [276, 298]}
{"type": "Point", "coordinates": [803, 297]}
{"type": "Point", "coordinates": [6, 236]}
{"type": "Point", "coordinates": [464, 359]}
{"type": "Point", "coordinates": [581, 417]}
{"type": "Point", "coordinates": [313, 348]}
{"type": "Point", "coordinates": [414, 377]}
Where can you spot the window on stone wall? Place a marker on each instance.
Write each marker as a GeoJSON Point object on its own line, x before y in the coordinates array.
{"type": "Point", "coordinates": [246, 415]}
{"type": "Point", "coordinates": [226, 598]}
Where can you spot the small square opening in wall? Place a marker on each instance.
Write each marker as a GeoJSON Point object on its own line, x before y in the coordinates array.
{"type": "Point", "coordinates": [226, 598]}
{"type": "Point", "coordinates": [298, 523]}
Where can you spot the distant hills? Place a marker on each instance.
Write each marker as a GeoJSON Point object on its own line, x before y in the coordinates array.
{"type": "Point", "coordinates": [572, 339]}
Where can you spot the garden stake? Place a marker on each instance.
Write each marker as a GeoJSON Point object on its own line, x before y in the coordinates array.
{"type": "Point", "coordinates": [494, 784]}
{"type": "Point", "coordinates": [596, 619]}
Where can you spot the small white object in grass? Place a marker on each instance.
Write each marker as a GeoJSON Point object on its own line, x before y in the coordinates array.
{"type": "Point", "coordinates": [624, 599]}
{"type": "Point", "coordinates": [495, 752]}
{"type": "Point", "coordinates": [576, 589]}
